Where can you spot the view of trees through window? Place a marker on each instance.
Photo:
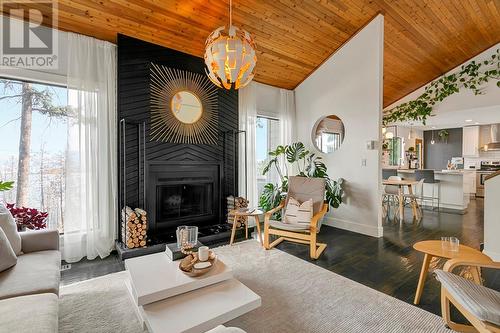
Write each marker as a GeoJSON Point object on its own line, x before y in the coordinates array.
{"type": "Point", "coordinates": [34, 122]}
{"type": "Point", "coordinates": [267, 139]}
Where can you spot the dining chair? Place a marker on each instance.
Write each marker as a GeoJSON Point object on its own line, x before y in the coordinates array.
{"type": "Point", "coordinates": [415, 198]}
{"type": "Point", "coordinates": [390, 197]}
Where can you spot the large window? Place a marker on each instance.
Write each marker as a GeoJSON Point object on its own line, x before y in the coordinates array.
{"type": "Point", "coordinates": [33, 136]}
{"type": "Point", "coordinates": [267, 139]}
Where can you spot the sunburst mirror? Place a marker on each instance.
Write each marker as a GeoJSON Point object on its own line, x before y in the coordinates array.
{"type": "Point", "coordinates": [183, 107]}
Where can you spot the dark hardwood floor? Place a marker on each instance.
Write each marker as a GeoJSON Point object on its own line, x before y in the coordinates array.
{"type": "Point", "coordinates": [388, 264]}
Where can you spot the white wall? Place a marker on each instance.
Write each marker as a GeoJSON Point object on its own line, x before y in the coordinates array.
{"type": "Point", "coordinates": [349, 85]}
{"type": "Point", "coordinates": [492, 218]}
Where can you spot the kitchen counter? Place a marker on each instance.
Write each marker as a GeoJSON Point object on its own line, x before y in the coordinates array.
{"type": "Point", "coordinates": [453, 185]}
{"type": "Point", "coordinates": [440, 172]}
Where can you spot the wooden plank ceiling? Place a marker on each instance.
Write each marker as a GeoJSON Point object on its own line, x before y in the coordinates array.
{"type": "Point", "coordinates": [423, 38]}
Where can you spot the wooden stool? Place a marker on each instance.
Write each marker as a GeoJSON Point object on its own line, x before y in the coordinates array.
{"type": "Point", "coordinates": [242, 216]}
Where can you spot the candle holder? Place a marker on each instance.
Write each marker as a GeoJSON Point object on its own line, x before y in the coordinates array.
{"type": "Point", "coordinates": [187, 238]}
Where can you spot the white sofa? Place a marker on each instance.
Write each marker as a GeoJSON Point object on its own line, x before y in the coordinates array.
{"type": "Point", "coordinates": [224, 329]}
{"type": "Point", "coordinates": [29, 291]}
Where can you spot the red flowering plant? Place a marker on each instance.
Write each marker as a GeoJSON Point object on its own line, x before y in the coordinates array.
{"type": "Point", "coordinates": [28, 218]}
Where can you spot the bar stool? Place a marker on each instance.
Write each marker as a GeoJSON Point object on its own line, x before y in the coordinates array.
{"type": "Point", "coordinates": [428, 176]}
{"type": "Point", "coordinates": [386, 173]}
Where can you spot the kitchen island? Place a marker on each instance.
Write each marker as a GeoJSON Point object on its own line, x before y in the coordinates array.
{"type": "Point", "coordinates": [454, 189]}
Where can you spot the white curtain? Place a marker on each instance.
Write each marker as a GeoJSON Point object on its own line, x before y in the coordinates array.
{"type": "Point", "coordinates": [90, 212]}
{"type": "Point", "coordinates": [247, 105]}
{"type": "Point", "coordinates": [287, 117]}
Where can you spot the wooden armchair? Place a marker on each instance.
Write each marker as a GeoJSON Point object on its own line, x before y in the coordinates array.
{"type": "Point", "coordinates": [479, 304]}
{"type": "Point", "coordinates": [302, 189]}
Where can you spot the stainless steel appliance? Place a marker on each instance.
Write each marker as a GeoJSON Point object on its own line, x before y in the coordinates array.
{"type": "Point", "coordinates": [487, 168]}
{"type": "Point", "coordinates": [494, 140]}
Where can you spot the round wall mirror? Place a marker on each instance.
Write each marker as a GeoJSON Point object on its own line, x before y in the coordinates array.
{"type": "Point", "coordinates": [328, 134]}
{"type": "Point", "coordinates": [186, 107]}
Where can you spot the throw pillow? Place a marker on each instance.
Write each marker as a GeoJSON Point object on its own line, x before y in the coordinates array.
{"type": "Point", "coordinates": [7, 256]}
{"type": "Point", "coordinates": [9, 227]}
{"type": "Point", "coordinates": [297, 212]}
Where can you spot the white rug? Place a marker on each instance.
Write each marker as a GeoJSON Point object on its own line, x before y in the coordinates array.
{"type": "Point", "coordinates": [296, 297]}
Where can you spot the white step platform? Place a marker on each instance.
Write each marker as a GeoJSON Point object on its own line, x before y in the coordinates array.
{"type": "Point", "coordinates": [200, 310]}
{"type": "Point", "coordinates": [169, 301]}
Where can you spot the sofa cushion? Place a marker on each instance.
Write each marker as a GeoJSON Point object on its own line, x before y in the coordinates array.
{"type": "Point", "coordinates": [8, 225]}
{"type": "Point", "coordinates": [7, 256]}
{"type": "Point", "coordinates": [35, 273]}
{"type": "Point", "coordinates": [482, 302]}
{"type": "Point", "coordinates": [32, 313]}
{"type": "Point", "coordinates": [224, 329]}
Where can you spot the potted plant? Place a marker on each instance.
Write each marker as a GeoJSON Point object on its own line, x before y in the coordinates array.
{"type": "Point", "coordinates": [28, 218]}
{"type": "Point", "coordinates": [6, 185]}
{"type": "Point", "coordinates": [296, 157]}
{"type": "Point", "coordinates": [443, 135]}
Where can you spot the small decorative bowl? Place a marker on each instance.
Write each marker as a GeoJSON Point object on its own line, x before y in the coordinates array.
{"type": "Point", "coordinates": [191, 270]}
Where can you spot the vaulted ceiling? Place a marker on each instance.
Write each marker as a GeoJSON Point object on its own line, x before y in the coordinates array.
{"type": "Point", "coordinates": [423, 38]}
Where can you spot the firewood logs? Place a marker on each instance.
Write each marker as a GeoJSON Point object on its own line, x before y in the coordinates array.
{"type": "Point", "coordinates": [134, 227]}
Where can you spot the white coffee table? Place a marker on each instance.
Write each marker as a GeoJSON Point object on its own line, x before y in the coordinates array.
{"type": "Point", "coordinates": [155, 277]}
{"type": "Point", "coordinates": [169, 301]}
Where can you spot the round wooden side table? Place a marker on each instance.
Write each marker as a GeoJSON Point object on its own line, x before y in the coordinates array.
{"type": "Point", "coordinates": [242, 216]}
{"type": "Point", "coordinates": [434, 248]}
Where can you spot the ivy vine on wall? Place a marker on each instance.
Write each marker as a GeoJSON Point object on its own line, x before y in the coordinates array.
{"type": "Point", "coordinates": [472, 76]}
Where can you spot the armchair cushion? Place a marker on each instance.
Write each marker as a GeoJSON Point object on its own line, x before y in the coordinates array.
{"type": "Point", "coordinates": [304, 188]}
{"type": "Point", "coordinates": [39, 240]}
{"type": "Point", "coordinates": [8, 225]}
{"type": "Point", "coordinates": [297, 212]}
{"type": "Point", "coordinates": [481, 301]}
{"type": "Point", "coordinates": [289, 226]}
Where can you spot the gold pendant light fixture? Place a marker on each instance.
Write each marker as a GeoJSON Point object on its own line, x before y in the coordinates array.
{"type": "Point", "coordinates": [230, 56]}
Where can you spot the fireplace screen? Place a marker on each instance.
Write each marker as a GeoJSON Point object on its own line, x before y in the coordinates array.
{"type": "Point", "coordinates": [184, 200]}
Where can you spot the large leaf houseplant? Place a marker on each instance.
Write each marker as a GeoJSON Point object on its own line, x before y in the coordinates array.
{"type": "Point", "coordinates": [295, 158]}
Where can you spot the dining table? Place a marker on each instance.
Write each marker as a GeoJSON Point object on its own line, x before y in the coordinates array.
{"type": "Point", "coordinates": [401, 184]}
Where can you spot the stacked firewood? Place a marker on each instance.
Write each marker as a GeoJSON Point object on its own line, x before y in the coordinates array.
{"type": "Point", "coordinates": [235, 203]}
{"type": "Point", "coordinates": [134, 227]}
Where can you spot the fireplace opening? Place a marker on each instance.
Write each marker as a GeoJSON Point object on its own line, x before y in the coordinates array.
{"type": "Point", "coordinates": [184, 200]}
{"type": "Point", "coordinates": [182, 193]}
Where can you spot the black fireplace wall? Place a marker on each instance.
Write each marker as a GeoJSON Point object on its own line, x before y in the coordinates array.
{"type": "Point", "coordinates": [134, 58]}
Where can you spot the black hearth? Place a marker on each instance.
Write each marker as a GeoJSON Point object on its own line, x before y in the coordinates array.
{"type": "Point", "coordinates": [182, 193]}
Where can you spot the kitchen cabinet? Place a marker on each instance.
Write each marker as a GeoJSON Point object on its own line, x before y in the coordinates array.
{"type": "Point", "coordinates": [470, 141]}
{"type": "Point", "coordinates": [469, 182]}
